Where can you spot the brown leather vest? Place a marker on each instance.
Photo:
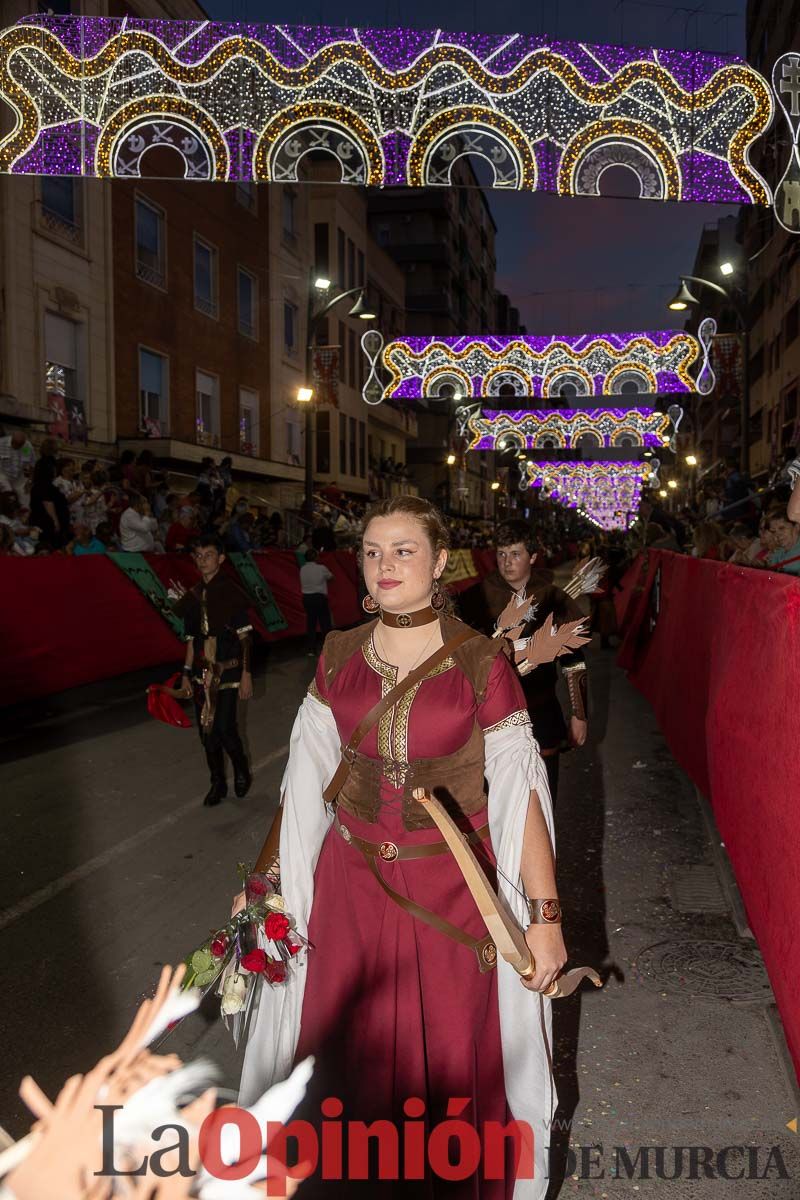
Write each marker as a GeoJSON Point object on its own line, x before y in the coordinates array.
{"type": "Point", "coordinates": [456, 779]}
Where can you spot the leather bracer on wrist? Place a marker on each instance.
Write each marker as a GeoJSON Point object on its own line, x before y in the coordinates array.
{"type": "Point", "coordinates": [577, 686]}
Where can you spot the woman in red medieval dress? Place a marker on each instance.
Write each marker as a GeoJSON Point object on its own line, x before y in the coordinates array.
{"type": "Point", "coordinates": [401, 1000]}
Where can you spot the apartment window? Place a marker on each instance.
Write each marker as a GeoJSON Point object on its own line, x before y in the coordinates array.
{"type": "Point", "coordinates": [62, 376]}
{"type": "Point", "coordinates": [247, 294]}
{"type": "Point", "coordinates": [351, 359]}
{"type": "Point", "coordinates": [151, 246]}
{"type": "Point", "coordinates": [360, 279]}
{"type": "Point", "coordinates": [342, 444]}
{"type": "Point", "coordinates": [288, 216]}
{"type": "Point", "coordinates": [322, 249]}
{"type": "Point", "coordinates": [351, 264]}
{"type": "Point", "coordinates": [205, 278]}
{"type": "Point", "coordinates": [342, 352]}
{"type": "Point", "coordinates": [153, 393]}
{"type": "Point", "coordinates": [207, 412]}
{"type": "Point", "coordinates": [791, 324]}
{"type": "Point", "coordinates": [323, 433]}
{"type": "Point", "coordinates": [248, 420]}
{"type": "Point", "coordinates": [246, 195]}
{"type": "Point", "coordinates": [353, 445]}
{"type": "Point", "coordinates": [61, 212]}
{"type": "Point", "coordinates": [340, 257]}
{"type": "Point", "coordinates": [290, 328]}
{"type": "Point", "coordinates": [294, 443]}
{"type": "Point", "coordinates": [362, 457]}
{"type": "Point", "coordinates": [384, 235]}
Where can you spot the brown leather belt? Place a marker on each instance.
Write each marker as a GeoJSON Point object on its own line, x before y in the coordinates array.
{"type": "Point", "coordinates": [390, 852]}
{"type": "Point", "coordinates": [484, 948]}
{"type": "Point", "coordinates": [210, 684]}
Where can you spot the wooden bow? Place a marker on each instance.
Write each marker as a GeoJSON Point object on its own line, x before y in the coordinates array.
{"type": "Point", "coordinates": [501, 926]}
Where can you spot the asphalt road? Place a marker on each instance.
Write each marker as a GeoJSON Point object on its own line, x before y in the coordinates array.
{"type": "Point", "coordinates": [110, 867]}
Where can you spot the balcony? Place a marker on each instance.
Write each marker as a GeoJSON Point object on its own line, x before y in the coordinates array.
{"type": "Point", "coordinates": [207, 307]}
{"type": "Point", "coordinates": [59, 225]}
{"type": "Point", "coordinates": [150, 274]}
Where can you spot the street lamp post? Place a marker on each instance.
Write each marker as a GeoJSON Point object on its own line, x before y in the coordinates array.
{"type": "Point", "coordinates": [305, 394]}
{"type": "Point", "coordinates": [683, 300]}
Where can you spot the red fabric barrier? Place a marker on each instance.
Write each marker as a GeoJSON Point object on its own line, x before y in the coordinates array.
{"type": "Point", "coordinates": [68, 621]}
{"type": "Point", "coordinates": [720, 668]}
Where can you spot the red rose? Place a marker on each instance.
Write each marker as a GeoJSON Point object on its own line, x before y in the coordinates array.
{"type": "Point", "coordinates": [276, 926]}
{"type": "Point", "coordinates": [255, 887]}
{"type": "Point", "coordinates": [275, 971]}
{"type": "Point", "coordinates": [255, 961]}
{"type": "Point", "coordinates": [292, 948]}
{"type": "Point", "coordinates": [219, 946]}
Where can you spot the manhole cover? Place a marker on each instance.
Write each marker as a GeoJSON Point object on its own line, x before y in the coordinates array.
{"type": "Point", "coordinates": [696, 890]}
{"type": "Point", "coordinates": [725, 970]}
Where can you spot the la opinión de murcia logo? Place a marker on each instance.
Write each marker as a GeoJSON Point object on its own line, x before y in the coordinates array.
{"type": "Point", "coordinates": [337, 1149]}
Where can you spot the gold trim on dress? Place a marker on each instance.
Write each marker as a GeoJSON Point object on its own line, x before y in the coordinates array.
{"type": "Point", "coordinates": [520, 717]}
{"type": "Point", "coordinates": [313, 691]}
{"type": "Point", "coordinates": [393, 726]}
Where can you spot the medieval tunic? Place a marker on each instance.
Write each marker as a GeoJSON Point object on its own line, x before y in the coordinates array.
{"type": "Point", "coordinates": [391, 1008]}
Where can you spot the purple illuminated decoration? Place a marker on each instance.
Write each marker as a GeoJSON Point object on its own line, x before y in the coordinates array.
{"type": "Point", "coordinates": [393, 107]}
{"type": "Point", "coordinates": [548, 367]}
{"type": "Point", "coordinates": [608, 493]}
{"type": "Point", "coordinates": [568, 428]}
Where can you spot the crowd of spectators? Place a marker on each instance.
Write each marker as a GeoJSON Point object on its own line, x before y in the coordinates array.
{"type": "Point", "coordinates": [728, 520]}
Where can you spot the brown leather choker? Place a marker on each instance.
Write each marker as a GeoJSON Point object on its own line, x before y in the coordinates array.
{"type": "Point", "coordinates": [423, 616]}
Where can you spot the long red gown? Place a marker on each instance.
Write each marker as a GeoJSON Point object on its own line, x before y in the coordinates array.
{"type": "Point", "coordinates": [394, 1009]}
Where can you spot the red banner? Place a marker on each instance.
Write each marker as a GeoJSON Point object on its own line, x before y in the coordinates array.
{"type": "Point", "coordinates": [715, 650]}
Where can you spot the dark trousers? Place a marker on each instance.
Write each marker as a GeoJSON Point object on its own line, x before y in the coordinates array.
{"type": "Point", "coordinates": [318, 615]}
{"type": "Point", "coordinates": [223, 737]}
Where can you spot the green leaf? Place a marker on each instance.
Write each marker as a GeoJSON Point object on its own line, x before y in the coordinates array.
{"type": "Point", "coordinates": [202, 960]}
{"type": "Point", "coordinates": [206, 977]}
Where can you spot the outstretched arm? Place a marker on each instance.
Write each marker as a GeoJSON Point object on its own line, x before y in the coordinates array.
{"type": "Point", "coordinates": [545, 941]}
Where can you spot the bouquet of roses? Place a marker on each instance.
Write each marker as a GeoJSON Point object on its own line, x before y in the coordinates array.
{"type": "Point", "coordinates": [259, 945]}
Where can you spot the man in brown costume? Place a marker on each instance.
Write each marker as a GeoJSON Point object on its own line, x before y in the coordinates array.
{"type": "Point", "coordinates": [517, 575]}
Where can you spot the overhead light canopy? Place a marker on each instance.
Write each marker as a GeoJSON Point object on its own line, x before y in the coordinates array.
{"type": "Point", "coordinates": [682, 298]}
{"type": "Point", "coordinates": [362, 309]}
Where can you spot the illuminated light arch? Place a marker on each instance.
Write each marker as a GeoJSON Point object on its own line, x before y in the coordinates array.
{"type": "Point", "coordinates": [150, 125]}
{"type": "Point", "coordinates": [609, 492]}
{"type": "Point", "coordinates": [56, 73]}
{"type": "Point", "coordinates": [511, 439]}
{"type": "Point", "coordinates": [565, 427]}
{"type": "Point", "coordinates": [587, 439]}
{"type": "Point", "coordinates": [581, 379]}
{"type": "Point", "coordinates": [441, 141]}
{"type": "Point", "coordinates": [548, 439]}
{"type": "Point", "coordinates": [499, 377]}
{"type": "Point", "coordinates": [450, 376]}
{"type": "Point", "coordinates": [626, 435]}
{"type": "Point", "coordinates": [618, 141]}
{"type": "Point", "coordinates": [624, 373]}
{"type": "Point", "coordinates": [333, 128]}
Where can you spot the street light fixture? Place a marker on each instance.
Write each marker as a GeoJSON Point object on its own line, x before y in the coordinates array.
{"type": "Point", "coordinates": [726, 268]}
{"type": "Point", "coordinates": [451, 460]}
{"type": "Point", "coordinates": [362, 309]}
{"type": "Point", "coordinates": [662, 493]}
{"type": "Point", "coordinates": [495, 486]}
{"type": "Point", "coordinates": [691, 460]}
{"type": "Point", "coordinates": [672, 483]}
{"type": "Point", "coordinates": [682, 298]}
{"type": "Point", "coordinates": [315, 316]}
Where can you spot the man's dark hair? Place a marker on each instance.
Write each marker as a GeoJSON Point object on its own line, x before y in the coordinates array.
{"type": "Point", "coordinates": [311, 554]}
{"type": "Point", "coordinates": [511, 532]}
{"type": "Point", "coordinates": [208, 539]}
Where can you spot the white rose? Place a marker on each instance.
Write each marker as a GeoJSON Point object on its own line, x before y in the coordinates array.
{"type": "Point", "coordinates": [233, 995]}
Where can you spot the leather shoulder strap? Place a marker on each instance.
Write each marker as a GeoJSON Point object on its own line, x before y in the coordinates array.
{"type": "Point", "coordinates": [383, 706]}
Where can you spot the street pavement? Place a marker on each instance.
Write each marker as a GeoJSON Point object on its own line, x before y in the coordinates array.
{"type": "Point", "coordinates": [110, 867]}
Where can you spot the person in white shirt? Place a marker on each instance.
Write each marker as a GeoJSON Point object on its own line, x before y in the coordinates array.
{"type": "Point", "coordinates": [314, 586]}
{"type": "Point", "coordinates": [17, 460]}
{"type": "Point", "coordinates": [137, 526]}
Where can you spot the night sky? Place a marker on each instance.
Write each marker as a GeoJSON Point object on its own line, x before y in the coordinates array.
{"type": "Point", "coordinates": [571, 265]}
